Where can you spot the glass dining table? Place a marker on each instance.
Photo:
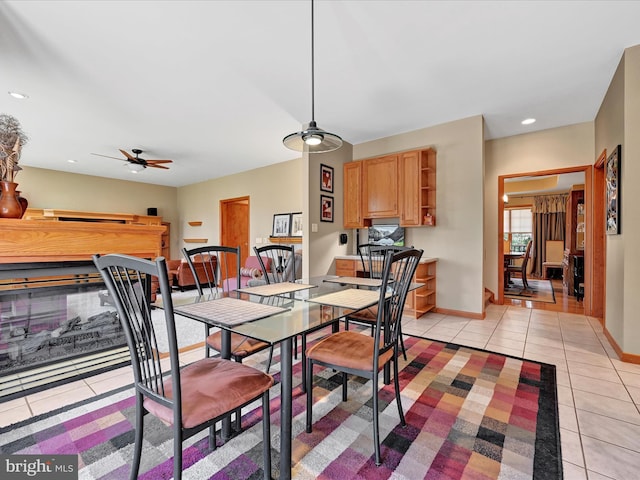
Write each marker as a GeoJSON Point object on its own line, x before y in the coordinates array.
{"type": "Point", "coordinates": [276, 314]}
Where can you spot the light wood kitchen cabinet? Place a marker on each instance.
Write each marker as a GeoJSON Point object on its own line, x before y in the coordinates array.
{"type": "Point", "coordinates": [380, 187]}
{"type": "Point", "coordinates": [347, 268]}
{"type": "Point", "coordinates": [352, 199]}
{"type": "Point", "coordinates": [418, 188]}
{"type": "Point", "coordinates": [400, 186]}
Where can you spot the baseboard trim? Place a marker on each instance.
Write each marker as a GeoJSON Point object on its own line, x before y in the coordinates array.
{"type": "Point", "coordinates": [625, 357]}
{"type": "Point", "coordinates": [461, 313]}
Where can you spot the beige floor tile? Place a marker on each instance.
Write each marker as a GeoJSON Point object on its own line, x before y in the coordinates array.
{"type": "Point", "coordinates": [601, 387]}
{"type": "Point", "coordinates": [626, 366]}
{"type": "Point", "coordinates": [571, 447]}
{"type": "Point", "coordinates": [610, 460]}
{"type": "Point", "coordinates": [51, 392]}
{"type": "Point", "coordinates": [573, 472]}
{"type": "Point", "coordinates": [565, 396]}
{"type": "Point", "coordinates": [63, 399]}
{"type": "Point", "coordinates": [545, 342]}
{"type": "Point", "coordinates": [588, 358]}
{"type": "Point", "coordinates": [14, 415]}
{"type": "Point", "coordinates": [562, 378]}
{"type": "Point", "coordinates": [585, 348]}
{"type": "Point", "coordinates": [635, 394]}
{"type": "Point", "coordinates": [111, 383]}
{"type": "Point", "coordinates": [545, 350]}
{"type": "Point", "coordinates": [505, 350]}
{"type": "Point", "coordinates": [607, 406]}
{"type": "Point", "coordinates": [479, 327]}
{"type": "Point", "coordinates": [473, 336]}
{"type": "Point", "coordinates": [10, 404]}
{"type": "Point", "coordinates": [470, 343]}
{"type": "Point", "coordinates": [610, 430]}
{"type": "Point", "coordinates": [568, 419]}
{"type": "Point", "coordinates": [631, 379]}
{"type": "Point", "coordinates": [499, 333]}
{"type": "Point", "coordinates": [602, 373]}
{"type": "Point", "coordinates": [507, 342]}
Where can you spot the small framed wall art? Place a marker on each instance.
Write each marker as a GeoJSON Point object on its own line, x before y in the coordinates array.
{"type": "Point", "coordinates": [296, 224]}
{"type": "Point", "coordinates": [326, 178]}
{"type": "Point", "coordinates": [281, 225]}
{"type": "Point", "coordinates": [612, 188]}
{"type": "Point", "coordinates": [326, 208]}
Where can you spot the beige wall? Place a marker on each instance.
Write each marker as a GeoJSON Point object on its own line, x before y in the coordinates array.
{"type": "Point", "coordinates": [69, 191]}
{"type": "Point", "coordinates": [456, 240]}
{"type": "Point", "coordinates": [323, 244]}
{"type": "Point", "coordinates": [617, 123]}
{"type": "Point", "coordinates": [273, 189]}
{"type": "Point", "coordinates": [563, 147]}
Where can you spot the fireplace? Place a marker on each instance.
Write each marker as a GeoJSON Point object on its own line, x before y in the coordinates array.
{"type": "Point", "coordinates": [57, 324]}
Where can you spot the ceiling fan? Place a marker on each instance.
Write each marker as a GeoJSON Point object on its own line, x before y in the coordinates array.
{"type": "Point", "coordinates": [137, 162]}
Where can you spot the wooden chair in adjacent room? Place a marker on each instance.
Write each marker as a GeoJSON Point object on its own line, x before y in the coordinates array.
{"type": "Point", "coordinates": [553, 256]}
{"type": "Point", "coordinates": [357, 354]}
{"type": "Point", "coordinates": [190, 399]}
{"type": "Point", "coordinates": [522, 268]}
{"type": "Point", "coordinates": [222, 262]}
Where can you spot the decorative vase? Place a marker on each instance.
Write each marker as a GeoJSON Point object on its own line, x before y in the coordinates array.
{"type": "Point", "coordinates": [9, 205]}
{"type": "Point", "coordinates": [24, 203]}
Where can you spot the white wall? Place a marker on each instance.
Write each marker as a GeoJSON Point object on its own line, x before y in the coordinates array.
{"type": "Point", "coordinates": [456, 239]}
{"type": "Point", "coordinates": [569, 146]}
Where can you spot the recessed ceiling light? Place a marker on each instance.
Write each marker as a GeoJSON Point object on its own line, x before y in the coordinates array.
{"type": "Point", "coordinates": [19, 95]}
{"type": "Point", "coordinates": [528, 121]}
{"type": "Point", "coordinates": [72, 161]}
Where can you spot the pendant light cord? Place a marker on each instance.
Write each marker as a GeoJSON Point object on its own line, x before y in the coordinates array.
{"type": "Point", "coordinates": [313, 115]}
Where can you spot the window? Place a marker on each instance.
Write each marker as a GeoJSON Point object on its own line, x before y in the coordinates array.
{"type": "Point", "coordinates": [518, 228]}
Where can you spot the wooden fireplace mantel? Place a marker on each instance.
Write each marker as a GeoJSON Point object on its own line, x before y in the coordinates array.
{"type": "Point", "coordinates": [54, 241]}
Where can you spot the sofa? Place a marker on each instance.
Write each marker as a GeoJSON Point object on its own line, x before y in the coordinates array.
{"type": "Point", "coordinates": [249, 272]}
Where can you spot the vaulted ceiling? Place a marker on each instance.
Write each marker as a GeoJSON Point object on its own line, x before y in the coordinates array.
{"type": "Point", "coordinates": [216, 85]}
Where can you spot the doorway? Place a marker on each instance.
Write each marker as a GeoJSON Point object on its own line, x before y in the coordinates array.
{"type": "Point", "coordinates": [589, 251]}
{"type": "Point", "coordinates": [234, 225]}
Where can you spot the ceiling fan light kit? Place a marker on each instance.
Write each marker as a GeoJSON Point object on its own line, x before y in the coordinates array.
{"type": "Point", "coordinates": [312, 139]}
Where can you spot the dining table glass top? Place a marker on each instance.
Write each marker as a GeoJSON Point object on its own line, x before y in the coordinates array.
{"type": "Point", "coordinates": [298, 315]}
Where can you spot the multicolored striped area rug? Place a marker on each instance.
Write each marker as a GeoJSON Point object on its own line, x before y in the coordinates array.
{"type": "Point", "coordinates": [470, 414]}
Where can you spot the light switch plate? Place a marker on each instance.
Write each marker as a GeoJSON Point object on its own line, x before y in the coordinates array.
{"type": "Point", "coordinates": [314, 227]}
{"type": "Point", "coordinates": [258, 240]}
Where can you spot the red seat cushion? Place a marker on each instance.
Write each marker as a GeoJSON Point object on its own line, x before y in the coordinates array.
{"type": "Point", "coordinates": [210, 388]}
{"type": "Point", "coordinates": [241, 346]}
{"type": "Point", "coordinates": [347, 349]}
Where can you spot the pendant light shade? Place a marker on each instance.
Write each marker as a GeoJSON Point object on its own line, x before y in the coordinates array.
{"type": "Point", "coordinates": [312, 139]}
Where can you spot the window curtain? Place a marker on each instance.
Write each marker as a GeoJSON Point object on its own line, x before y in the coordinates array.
{"type": "Point", "coordinates": [549, 221]}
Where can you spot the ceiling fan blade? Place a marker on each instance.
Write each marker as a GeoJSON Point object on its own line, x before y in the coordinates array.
{"type": "Point", "coordinates": [159, 161]}
{"type": "Point", "coordinates": [127, 154]}
{"type": "Point", "coordinates": [157, 166]}
{"type": "Point", "coordinates": [107, 156]}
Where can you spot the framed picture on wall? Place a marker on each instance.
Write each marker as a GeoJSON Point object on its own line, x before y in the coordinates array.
{"type": "Point", "coordinates": [281, 225]}
{"type": "Point", "coordinates": [326, 178]}
{"type": "Point", "coordinates": [612, 189]}
{"type": "Point", "coordinates": [296, 224]}
{"type": "Point", "coordinates": [326, 208]}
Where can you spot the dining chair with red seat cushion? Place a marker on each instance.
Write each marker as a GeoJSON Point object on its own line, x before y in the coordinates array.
{"type": "Point", "coordinates": [227, 265]}
{"type": "Point", "coordinates": [358, 354]}
{"type": "Point", "coordinates": [190, 399]}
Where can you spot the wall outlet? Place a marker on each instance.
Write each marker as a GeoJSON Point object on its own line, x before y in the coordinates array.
{"type": "Point", "coordinates": [258, 240]}
{"type": "Point", "coordinates": [265, 240]}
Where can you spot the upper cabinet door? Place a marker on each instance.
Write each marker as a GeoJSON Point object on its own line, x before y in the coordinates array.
{"type": "Point", "coordinates": [352, 199]}
{"type": "Point", "coordinates": [380, 187]}
{"type": "Point", "coordinates": [410, 189]}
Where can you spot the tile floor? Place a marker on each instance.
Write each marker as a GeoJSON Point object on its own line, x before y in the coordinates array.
{"type": "Point", "coordinates": [598, 394]}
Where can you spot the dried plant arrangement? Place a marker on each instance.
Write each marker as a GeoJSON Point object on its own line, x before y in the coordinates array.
{"type": "Point", "coordinates": [12, 139]}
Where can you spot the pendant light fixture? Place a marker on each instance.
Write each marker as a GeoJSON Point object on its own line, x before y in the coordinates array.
{"type": "Point", "coordinates": [312, 139]}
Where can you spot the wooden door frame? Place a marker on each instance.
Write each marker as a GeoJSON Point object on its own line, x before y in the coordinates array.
{"type": "Point", "coordinates": [223, 211]}
{"type": "Point", "coordinates": [599, 239]}
{"type": "Point", "coordinates": [589, 227]}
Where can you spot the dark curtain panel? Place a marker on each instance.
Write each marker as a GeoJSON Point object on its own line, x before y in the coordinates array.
{"type": "Point", "coordinates": [549, 221]}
